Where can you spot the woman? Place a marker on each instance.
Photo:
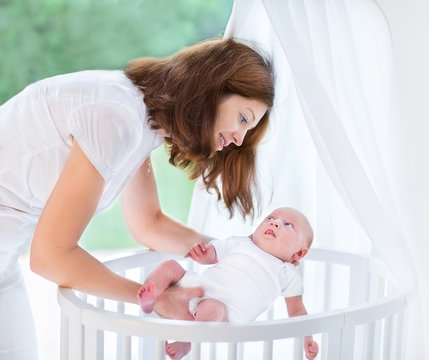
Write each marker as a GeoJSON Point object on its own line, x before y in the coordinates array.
{"type": "Point", "coordinates": [70, 144]}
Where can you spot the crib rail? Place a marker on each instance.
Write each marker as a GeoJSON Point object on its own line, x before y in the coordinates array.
{"type": "Point", "coordinates": [367, 328]}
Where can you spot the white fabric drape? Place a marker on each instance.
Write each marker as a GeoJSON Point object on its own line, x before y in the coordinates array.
{"type": "Point", "coordinates": [344, 145]}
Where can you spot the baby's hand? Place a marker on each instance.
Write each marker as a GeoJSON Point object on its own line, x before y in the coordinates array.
{"type": "Point", "coordinates": [201, 253]}
{"type": "Point", "coordinates": [311, 348]}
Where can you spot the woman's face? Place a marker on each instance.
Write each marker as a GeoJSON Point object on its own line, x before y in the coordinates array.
{"type": "Point", "coordinates": [235, 116]}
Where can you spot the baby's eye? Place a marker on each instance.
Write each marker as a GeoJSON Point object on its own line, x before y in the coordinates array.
{"type": "Point", "coordinates": [243, 120]}
{"type": "Point", "coordinates": [270, 218]}
{"type": "Point", "coordinates": [288, 224]}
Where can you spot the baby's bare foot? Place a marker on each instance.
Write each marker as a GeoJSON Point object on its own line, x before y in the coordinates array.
{"type": "Point", "coordinates": [146, 297]}
{"type": "Point", "coordinates": [177, 350]}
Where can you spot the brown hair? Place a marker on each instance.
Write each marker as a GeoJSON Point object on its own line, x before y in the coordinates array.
{"type": "Point", "coordinates": [182, 93]}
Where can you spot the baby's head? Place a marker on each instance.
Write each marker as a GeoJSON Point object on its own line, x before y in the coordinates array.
{"type": "Point", "coordinates": [285, 233]}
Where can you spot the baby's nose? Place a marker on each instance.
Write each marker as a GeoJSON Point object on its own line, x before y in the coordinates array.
{"type": "Point", "coordinates": [274, 223]}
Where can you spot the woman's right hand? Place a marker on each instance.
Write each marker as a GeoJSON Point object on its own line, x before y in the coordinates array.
{"type": "Point", "coordinates": [173, 302]}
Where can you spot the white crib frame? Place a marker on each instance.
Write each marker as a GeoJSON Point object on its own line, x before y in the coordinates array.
{"type": "Point", "coordinates": [82, 324]}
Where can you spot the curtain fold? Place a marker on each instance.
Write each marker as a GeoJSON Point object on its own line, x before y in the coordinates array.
{"type": "Point", "coordinates": [347, 142]}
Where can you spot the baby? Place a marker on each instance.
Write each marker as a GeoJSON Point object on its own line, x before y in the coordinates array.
{"type": "Point", "coordinates": [248, 275]}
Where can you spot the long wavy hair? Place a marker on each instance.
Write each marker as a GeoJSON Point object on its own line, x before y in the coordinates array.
{"type": "Point", "coordinates": [182, 93]}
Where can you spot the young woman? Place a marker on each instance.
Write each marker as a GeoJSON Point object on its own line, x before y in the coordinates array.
{"type": "Point", "coordinates": [70, 144]}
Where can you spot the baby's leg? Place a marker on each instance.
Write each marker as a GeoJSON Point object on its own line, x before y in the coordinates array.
{"type": "Point", "coordinates": [165, 275]}
{"type": "Point", "coordinates": [211, 310]}
{"type": "Point", "coordinates": [207, 310]}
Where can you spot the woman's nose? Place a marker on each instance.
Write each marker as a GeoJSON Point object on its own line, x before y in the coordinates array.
{"type": "Point", "coordinates": [238, 137]}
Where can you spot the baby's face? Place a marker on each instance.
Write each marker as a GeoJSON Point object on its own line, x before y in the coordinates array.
{"type": "Point", "coordinates": [283, 234]}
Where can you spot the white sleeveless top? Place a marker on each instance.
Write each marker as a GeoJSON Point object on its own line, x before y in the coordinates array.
{"type": "Point", "coordinates": [106, 115]}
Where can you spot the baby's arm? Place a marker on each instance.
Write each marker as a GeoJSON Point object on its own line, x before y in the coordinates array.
{"type": "Point", "coordinates": [202, 253]}
{"type": "Point", "coordinates": [295, 307]}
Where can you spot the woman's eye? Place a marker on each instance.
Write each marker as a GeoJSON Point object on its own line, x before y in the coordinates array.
{"type": "Point", "coordinates": [243, 120]}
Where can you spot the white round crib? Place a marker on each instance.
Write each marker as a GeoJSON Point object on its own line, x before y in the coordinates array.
{"type": "Point", "coordinates": [355, 314]}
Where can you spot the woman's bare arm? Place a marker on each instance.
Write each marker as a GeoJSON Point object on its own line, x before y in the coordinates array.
{"type": "Point", "coordinates": [55, 253]}
{"type": "Point", "coordinates": [146, 221]}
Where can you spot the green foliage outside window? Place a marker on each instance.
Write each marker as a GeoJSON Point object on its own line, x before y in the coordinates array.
{"type": "Point", "coordinates": [41, 38]}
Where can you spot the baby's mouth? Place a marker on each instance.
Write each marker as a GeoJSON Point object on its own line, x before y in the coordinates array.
{"type": "Point", "coordinates": [270, 232]}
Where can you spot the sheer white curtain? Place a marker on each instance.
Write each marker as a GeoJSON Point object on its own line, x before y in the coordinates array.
{"type": "Point", "coordinates": [343, 145]}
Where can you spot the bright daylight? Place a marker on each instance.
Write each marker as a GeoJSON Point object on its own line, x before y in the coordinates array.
{"type": "Point", "coordinates": [214, 179]}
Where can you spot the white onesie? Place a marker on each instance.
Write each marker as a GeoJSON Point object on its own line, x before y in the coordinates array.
{"type": "Point", "coordinates": [102, 110]}
{"type": "Point", "coordinates": [245, 279]}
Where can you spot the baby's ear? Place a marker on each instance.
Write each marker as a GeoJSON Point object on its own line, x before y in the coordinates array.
{"type": "Point", "coordinates": [299, 255]}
